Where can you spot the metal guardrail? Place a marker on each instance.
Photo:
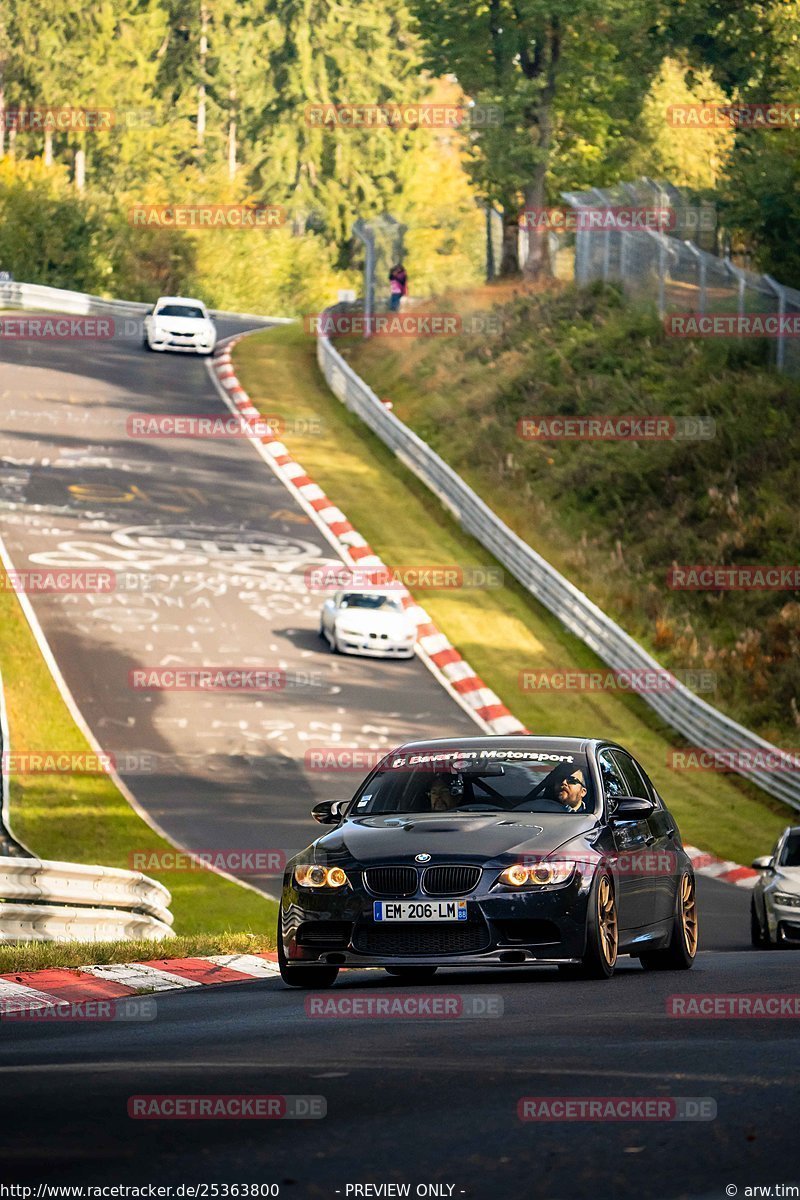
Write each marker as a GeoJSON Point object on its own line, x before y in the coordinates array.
{"type": "Point", "coordinates": [60, 901]}
{"type": "Point", "coordinates": [36, 881]}
{"type": "Point", "coordinates": [57, 901]}
{"type": "Point", "coordinates": [699, 722]}
{"type": "Point", "coordinates": [40, 296]}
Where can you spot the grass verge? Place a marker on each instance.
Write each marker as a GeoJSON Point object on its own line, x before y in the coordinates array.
{"type": "Point", "coordinates": [615, 516]}
{"type": "Point", "coordinates": [500, 631]}
{"type": "Point", "coordinates": [41, 956]}
{"type": "Point", "coordinates": [84, 818]}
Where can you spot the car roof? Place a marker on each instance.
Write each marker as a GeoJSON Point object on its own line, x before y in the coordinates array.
{"type": "Point", "coordinates": [180, 300]}
{"type": "Point", "coordinates": [578, 745]}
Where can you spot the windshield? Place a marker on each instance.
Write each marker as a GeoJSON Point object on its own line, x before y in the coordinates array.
{"type": "Point", "coordinates": [180, 310]}
{"type": "Point", "coordinates": [478, 781]}
{"type": "Point", "coordinates": [790, 855]}
{"type": "Point", "coordinates": [359, 600]}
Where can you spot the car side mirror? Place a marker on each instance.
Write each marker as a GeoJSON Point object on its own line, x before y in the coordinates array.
{"type": "Point", "coordinates": [632, 808]}
{"type": "Point", "coordinates": [764, 863]}
{"type": "Point", "coordinates": [329, 812]}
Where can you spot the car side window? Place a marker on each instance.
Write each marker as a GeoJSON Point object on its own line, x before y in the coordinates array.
{"type": "Point", "coordinates": [634, 784]}
{"type": "Point", "coordinates": [613, 783]}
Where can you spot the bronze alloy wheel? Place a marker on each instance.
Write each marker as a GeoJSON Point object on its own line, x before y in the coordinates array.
{"type": "Point", "coordinates": [689, 914]}
{"type": "Point", "coordinates": [607, 921]}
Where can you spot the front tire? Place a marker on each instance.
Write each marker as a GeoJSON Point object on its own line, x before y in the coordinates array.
{"type": "Point", "coordinates": [314, 978]}
{"type": "Point", "coordinates": [602, 934]}
{"type": "Point", "coordinates": [679, 954]}
{"type": "Point", "coordinates": [757, 935]}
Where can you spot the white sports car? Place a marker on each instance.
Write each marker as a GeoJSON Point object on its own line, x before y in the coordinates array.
{"type": "Point", "coordinates": [178, 323]}
{"type": "Point", "coordinates": [370, 622]}
{"type": "Point", "coordinates": [775, 902]}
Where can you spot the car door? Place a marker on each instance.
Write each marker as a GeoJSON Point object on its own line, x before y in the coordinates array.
{"type": "Point", "coordinates": [630, 837]}
{"type": "Point", "coordinates": [664, 851]}
{"type": "Point", "coordinates": [658, 860]}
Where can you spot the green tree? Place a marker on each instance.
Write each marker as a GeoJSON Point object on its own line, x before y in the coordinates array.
{"type": "Point", "coordinates": [551, 67]}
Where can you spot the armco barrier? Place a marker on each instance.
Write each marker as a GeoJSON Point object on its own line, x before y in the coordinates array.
{"type": "Point", "coordinates": [60, 901]}
{"type": "Point", "coordinates": [39, 296]}
{"type": "Point", "coordinates": [56, 901]}
{"type": "Point", "coordinates": [700, 723]}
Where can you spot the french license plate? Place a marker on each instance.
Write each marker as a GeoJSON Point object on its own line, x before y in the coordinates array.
{"type": "Point", "coordinates": [419, 910]}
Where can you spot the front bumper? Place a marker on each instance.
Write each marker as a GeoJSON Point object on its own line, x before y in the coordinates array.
{"type": "Point", "coordinates": [185, 345]}
{"type": "Point", "coordinates": [540, 927]}
{"type": "Point", "coordinates": [373, 647]}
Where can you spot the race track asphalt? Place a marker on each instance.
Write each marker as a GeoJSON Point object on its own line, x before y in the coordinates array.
{"type": "Point", "coordinates": [210, 555]}
{"type": "Point", "coordinates": [421, 1101]}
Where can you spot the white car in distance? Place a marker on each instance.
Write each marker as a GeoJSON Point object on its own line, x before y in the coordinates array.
{"type": "Point", "coordinates": [368, 622]}
{"type": "Point", "coordinates": [179, 323]}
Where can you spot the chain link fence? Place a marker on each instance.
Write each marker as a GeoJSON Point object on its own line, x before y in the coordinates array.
{"type": "Point", "coordinates": [673, 271]}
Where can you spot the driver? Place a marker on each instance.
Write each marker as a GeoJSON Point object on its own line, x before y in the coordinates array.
{"type": "Point", "coordinates": [442, 799]}
{"type": "Point", "coordinates": [572, 791]}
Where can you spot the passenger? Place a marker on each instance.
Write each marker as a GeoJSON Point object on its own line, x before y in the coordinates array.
{"type": "Point", "coordinates": [442, 799]}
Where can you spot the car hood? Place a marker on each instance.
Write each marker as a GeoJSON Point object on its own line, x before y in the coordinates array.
{"type": "Point", "coordinates": [389, 837]}
{"type": "Point", "coordinates": [787, 879]}
{"type": "Point", "coordinates": [365, 620]}
{"type": "Point", "coordinates": [182, 324]}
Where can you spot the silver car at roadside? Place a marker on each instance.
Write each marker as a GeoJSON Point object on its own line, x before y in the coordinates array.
{"type": "Point", "coordinates": [775, 902]}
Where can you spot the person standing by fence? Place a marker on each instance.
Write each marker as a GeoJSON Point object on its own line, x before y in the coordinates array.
{"type": "Point", "coordinates": [398, 286]}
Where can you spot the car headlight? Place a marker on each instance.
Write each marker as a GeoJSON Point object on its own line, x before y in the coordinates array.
{"type": "Point", "coordinates": [348, 632]}
{"type": "Point", "coordinates": [314, 876]}
{"type": "Point", "coordinates": [540, 874]}
{"type": "Point", "coordinates": [786, 899]}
